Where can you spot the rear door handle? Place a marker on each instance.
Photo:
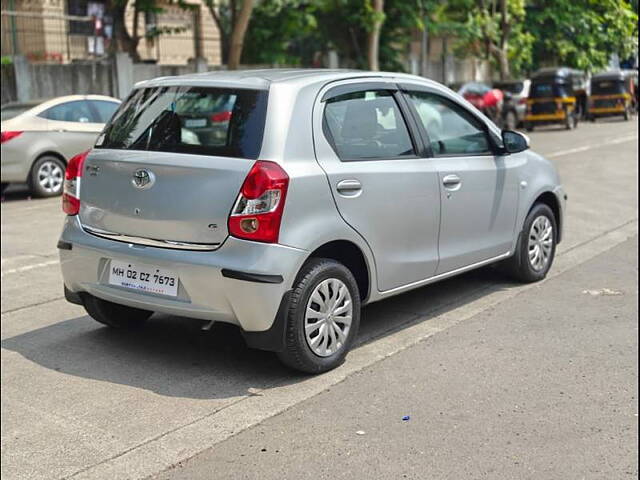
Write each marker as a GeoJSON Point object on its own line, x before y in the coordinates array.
{"type": "Point", "coordinates": [349, 188]}
{"type": "Point", "coordinates": [452, 182]}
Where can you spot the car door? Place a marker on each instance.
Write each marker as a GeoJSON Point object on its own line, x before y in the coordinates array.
{"type": "Point", "coordinates": [73, 126]}
{"type": "Point", "coordinates": [367, 144]}
{"type": "Point", "coordinates": [479, 189]}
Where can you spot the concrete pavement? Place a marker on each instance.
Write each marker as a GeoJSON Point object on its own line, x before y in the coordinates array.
{"type": "Point", "coordinates": [81, 401]}
{"type": "Point", "coordinates": [544, 386]}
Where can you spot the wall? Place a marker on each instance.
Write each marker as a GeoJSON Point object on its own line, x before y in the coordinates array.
{"type": "Point", "coordinates": [24, 81]}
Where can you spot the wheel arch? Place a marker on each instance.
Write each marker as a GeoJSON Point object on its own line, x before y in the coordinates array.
{"type": "Point", "coordinates": [551, 200]}
{"type": "Point", "coordinates": [351, 256]}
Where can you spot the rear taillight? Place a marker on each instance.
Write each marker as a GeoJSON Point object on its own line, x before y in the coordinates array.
{"type": "Point", "coordinates": [523, 101]}
{"type": "Point", "coordinates": [257, 213]}
{"type": "Point", "coordinates": [71, 192]}
{"type": "Point", "coordinates": [221, 117]}
{"type": "Point", "coordinates": [6, 136]}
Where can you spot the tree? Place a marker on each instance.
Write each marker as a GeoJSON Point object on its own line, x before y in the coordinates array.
{"type": "Point", "coordinates": [232, 19]}
{"type": "Point", "coordinates": [376, 18]}
{"type": "Point", "coordinates": [582, 34]}
{"type": "Point", "coordinates": [493, 30]}
{"type": "Point", "coordinates": [123, 41]}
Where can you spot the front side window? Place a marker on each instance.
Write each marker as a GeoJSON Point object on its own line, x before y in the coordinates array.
{"type": "Point", "coordinates": [206, 121]}
{"type": "Point", "coordinates": [451, 129]}
{"type": "Point", "coordinates": [366, 125]}
{"type": "Point", "coordinates": [76, 111]}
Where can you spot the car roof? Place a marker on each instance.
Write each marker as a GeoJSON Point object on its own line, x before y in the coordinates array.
{"type": "Point", "coordinates": [556, 72]}
{"type": "Point", "coordinates": [617, 74]}
{"type": "Point", "coordinates": [262, 79]}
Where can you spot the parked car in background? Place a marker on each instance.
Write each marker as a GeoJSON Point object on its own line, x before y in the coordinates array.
{"type": "Point", "coordinates": [331, 190]}
{"type": "Point", "coordinates": [613, 93]}
{"type": "Point", "coordinates": [486, 99]}
{"type": "Point", "coordinates": [39, 138]}
{"type": "Point", "coordinates": [515, 101]}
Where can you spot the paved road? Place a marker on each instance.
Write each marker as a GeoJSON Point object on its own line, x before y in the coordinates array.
{"type": "Point", "coordinates": [543, 386]}
{"type": "Point", "coordinates": [81, 401]}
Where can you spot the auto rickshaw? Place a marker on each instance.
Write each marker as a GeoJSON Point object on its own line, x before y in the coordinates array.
{"type": "Point", "coordinates": [557, 95]}
{"type": "Point", "coordinates": [613, 93]}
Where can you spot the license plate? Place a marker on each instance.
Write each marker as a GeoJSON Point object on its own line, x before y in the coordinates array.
{"type": "Point", "coordinates": [195, 122]}
{"type": "Point", "coordinates": [145, 278]}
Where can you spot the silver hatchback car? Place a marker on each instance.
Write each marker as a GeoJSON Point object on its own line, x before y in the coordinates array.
{"type": "Point", "coordinates": [328, 189]}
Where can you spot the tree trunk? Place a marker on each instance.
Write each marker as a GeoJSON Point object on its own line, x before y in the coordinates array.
{"type": "Point", "coordinates": [224, 34]}
{"type": "Point", "coordinates": [237, 36]}
{"type": "Point", "coordinates": [122, 41]}
{"type": "Point", "coordinates": [503, 51]}
{"type": "Point", "coordinates": [373, 40]}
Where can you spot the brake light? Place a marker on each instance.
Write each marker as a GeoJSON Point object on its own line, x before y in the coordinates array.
{"type": "Point", "coordinates": [257, 212]}
{"type": "Point", "coordinates": [6, 136]}
{"type": "Point", "coordinates": [221, 117]}
{"type": "Point", "coordinates": [522, 101]}
{"type": "Point", "coordinates": [71, 192]}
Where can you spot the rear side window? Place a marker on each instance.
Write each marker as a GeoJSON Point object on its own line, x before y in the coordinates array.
{"type": "Point", "coordinates": [76, 111]}
{"type": "Point", "coordinates": [366, 125]}
{"type": "Point", "coordinates": [104, 109]}
{"type": "Point", "coordinates": [197, 120]}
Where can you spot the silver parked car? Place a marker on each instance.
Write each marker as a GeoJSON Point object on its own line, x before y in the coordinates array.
{"type": "Point", "coordinates": [330, 190]}
{"type": "Point", "coordinates": [38, 138]}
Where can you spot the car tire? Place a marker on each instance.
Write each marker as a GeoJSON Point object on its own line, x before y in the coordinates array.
{"type": "Point", "coordinates": [523, 265]}
{"type": "Point", "coordinates": [47, 176]}
{"type": "Point", "coordinates": [113, 314]}
{"type": "Point", "coordinates": [3, 187]}
{"type": "Point", "coordinates": [324, 294]}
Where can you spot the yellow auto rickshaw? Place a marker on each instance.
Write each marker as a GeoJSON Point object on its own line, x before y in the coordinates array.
{"type": "Point", "coordinates": [556, 96]}
{"type": "Point", "coordinates": [613, 93]}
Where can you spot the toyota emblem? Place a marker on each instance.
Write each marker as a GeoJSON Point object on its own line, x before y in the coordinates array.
{"type": "Point", "coordinates": [143, 179]}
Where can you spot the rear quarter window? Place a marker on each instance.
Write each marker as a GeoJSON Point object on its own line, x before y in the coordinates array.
{"type": "Point", "coordinates": [197, 120]}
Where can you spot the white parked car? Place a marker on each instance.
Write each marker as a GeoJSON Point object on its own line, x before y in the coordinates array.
{"type": "Point", "coordinates": [39, 138]}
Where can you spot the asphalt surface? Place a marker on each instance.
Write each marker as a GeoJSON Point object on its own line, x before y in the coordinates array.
{"type": "Point", "coordinates": [82, 401]}
{"type": "Point", "coordinates": [526, 389]}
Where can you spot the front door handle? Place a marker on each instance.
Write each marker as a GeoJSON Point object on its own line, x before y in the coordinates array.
{"type": "Point", "coordinates": [452, 182]}
{"type": "Point", "coordinates": [349, 188]}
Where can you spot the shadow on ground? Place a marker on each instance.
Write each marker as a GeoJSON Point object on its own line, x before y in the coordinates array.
{"type": "Point", "coordinates": [173, 356]}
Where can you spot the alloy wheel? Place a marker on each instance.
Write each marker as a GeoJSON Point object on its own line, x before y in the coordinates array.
{"type": "Point", "coordinates": [50, 176]}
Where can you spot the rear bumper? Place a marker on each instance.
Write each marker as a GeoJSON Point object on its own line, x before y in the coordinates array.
{"type": "Point", "coordinates": [545, 117]}
{"type": "Point", "coordinates": [241, 283]}
{"type": "Point", "coordinates": [601, 110]}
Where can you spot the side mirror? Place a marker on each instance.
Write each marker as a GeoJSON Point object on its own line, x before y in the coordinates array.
{"type": "Point", "coordinates": [514, 142]}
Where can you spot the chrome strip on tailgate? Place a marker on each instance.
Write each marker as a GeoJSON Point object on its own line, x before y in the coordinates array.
{"type": "Point", "coordinates": [150, 242]}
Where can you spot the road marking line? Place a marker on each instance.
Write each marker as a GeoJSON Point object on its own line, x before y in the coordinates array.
{"type": "Point", "coordinates": [29, 267]}
{"type": "Point", "coordinates": [584, 148]}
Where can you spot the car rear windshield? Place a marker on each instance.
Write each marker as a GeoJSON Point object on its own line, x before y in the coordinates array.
{"type": "Point", "coordinates": [540, 90]}
{"type": "Point", "coordinates": [204, 121]}
{"type": "Point", "coordinates": [607, 87]}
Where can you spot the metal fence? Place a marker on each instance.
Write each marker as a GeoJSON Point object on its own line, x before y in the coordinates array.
{"type": "Point", "coordinates": [43, 37]}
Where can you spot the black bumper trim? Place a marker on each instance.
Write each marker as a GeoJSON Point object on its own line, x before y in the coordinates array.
{"type": "Point", "coordinates": [62, 245]}
{"type": "Point", "coordinates": [251, 277]}
{"type": "Point", "coordinates": [272, 339]}
{"type": "Point", "coordinates": [72, 297]}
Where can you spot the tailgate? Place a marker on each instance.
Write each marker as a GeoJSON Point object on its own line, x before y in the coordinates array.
{"type": "Point", "coordinates": [159, 195]}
